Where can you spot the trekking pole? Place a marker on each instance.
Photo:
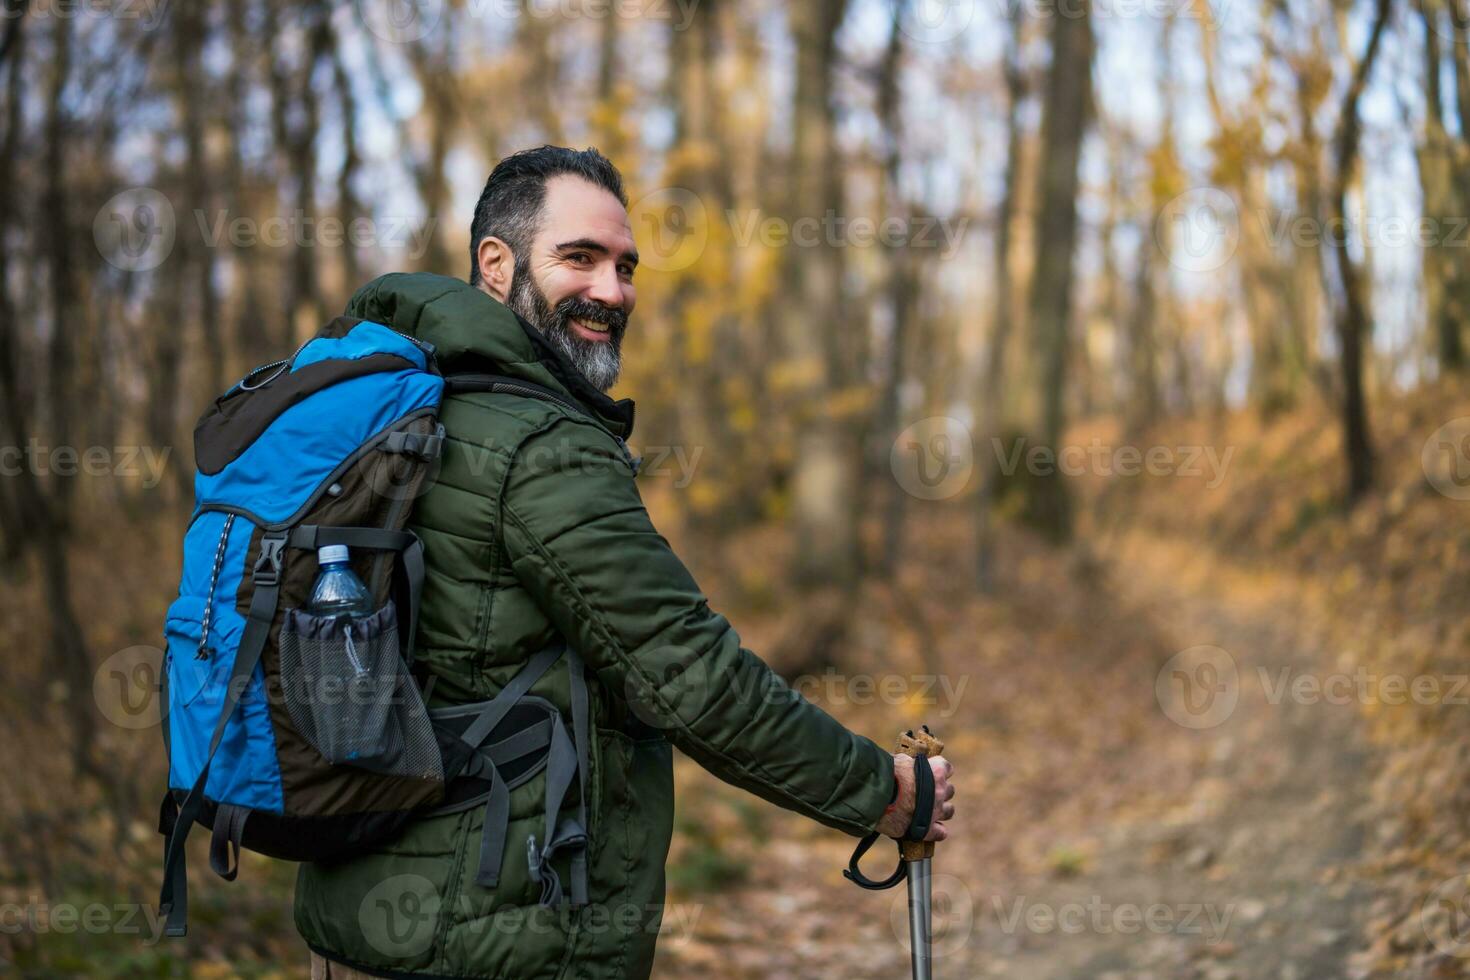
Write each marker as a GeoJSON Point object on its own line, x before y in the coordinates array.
{"type": "Point", "coordinates": [915, 854]}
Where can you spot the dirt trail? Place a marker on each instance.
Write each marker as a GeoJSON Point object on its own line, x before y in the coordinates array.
{"type": "Point", "coordinates": [1239, 862]}
{"type": "Point", "coordinates": [1253, 874]}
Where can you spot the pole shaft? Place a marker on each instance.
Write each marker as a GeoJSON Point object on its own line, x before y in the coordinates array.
{"type": "Point", "coordinates": [921, 918]}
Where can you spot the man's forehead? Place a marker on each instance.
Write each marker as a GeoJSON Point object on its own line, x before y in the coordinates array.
{"type": "Point", "coordinates": [576, 208]}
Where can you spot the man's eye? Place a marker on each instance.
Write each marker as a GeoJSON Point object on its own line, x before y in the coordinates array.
{"type": "Point", "coordinates": [626, 271]}
{"type": "Point", "coordinates": [580, 258]}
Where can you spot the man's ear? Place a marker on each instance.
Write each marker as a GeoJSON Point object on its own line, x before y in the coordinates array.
{"type": "Point", "coordinates": [497, 266]}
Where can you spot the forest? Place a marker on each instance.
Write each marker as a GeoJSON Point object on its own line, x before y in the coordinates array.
{"type": "Point", "coordinates": [1085, 378]}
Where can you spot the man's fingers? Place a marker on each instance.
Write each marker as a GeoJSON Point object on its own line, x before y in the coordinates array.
{"type": "Point", "coordinates": [948, 793]}
{"type": "Point", "coordinates": [937, 832]}
{"type": "Point", "coordinates": [946, 811]}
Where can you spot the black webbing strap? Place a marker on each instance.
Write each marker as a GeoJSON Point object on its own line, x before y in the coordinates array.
{"type": "Point", "coordinates": [173, 899]}
{"type": "Point", "coordinates": [923, 798]}
{"type": "Point", "coordinates": [560, 833]}
{"type": "Point", "coordinates": [497, 807]}
{"type": "Point", "coordinates": [224, 843]}
{"type": "Point", "coordinates": [918, 829]}
{"type": "Point", "coordinates": [566, 757]}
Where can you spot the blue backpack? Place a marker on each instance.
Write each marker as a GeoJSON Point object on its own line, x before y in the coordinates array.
{"type": "Point", "coordinates": [306, 737]}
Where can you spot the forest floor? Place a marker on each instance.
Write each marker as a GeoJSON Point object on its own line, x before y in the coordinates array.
{"type": "Point", "coordinates": [1116, 820]}
{"type": "Point", "coordinates": [1159, 849]}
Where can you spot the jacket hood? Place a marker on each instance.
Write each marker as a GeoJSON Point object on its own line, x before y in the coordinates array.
{"type": "Point", "coordinates": [473, 332]}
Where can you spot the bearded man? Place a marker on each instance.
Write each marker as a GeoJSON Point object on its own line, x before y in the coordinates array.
{"type": "Point", "coordinates": [534, 535]}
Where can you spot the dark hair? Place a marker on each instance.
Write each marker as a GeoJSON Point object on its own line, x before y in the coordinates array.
{"type": "Point", "coordinates": [510, 205]}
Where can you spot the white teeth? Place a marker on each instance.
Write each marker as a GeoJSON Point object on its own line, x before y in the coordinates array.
{"type": "Point", "coordinates": [594, 327]}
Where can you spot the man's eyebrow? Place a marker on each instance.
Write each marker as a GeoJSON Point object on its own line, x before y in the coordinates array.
{"type": "Point", "coordinates": [592, 245]}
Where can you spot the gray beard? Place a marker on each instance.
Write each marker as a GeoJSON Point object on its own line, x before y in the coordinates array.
{"type": "Point", "coordinates": [600, 362]}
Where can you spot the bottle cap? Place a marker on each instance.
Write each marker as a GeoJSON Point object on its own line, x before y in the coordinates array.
{"type": "Point", "coordinates": [330, 553]}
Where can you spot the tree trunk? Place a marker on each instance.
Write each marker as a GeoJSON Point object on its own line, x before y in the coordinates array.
{"type": "Point", "coordinates": [1065, 116]}
{"type": "Point", "coordinates": [1002, 324]}
{"type": "Point", "coordinates": [827, 456]}
{"type": "Point", "coordinates": [1353, 321]}
{"type": "Point", "coordinates": [901, 290]}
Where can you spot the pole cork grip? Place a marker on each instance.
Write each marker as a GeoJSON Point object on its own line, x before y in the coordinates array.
{"type": "Point", "coordinates": [912, 743]}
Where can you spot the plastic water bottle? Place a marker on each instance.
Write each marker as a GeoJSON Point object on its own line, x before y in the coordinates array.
{"type": "Point", "coordinates": [338, 591]}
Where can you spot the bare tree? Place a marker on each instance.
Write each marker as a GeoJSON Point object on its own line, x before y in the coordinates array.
{"type": "Point", "coordinates": [826, 471]}
{"type": "Point", "coordinates": [1002, 324]}
{"type": "Point", "coordinates": [1353, 320]}
{"type": "Point", "coordinates": [1065, 113]}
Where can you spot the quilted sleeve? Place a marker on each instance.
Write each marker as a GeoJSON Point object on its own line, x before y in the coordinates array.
{"type": "Point", "coordinates": [580, 540]}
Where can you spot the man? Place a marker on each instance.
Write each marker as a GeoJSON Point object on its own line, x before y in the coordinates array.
{"type": "Point", "coordinates": [534, 530]}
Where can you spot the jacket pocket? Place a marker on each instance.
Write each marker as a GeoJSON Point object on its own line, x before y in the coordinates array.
{"type": "Point", "coordinates": [632, 812]}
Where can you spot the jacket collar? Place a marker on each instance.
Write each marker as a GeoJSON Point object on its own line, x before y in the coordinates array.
{"type": "Point", "coordinates": [473, 332]}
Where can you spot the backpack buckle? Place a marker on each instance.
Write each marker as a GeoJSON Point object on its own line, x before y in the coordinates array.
{"type": "Point", "coordinates": [267, 569]}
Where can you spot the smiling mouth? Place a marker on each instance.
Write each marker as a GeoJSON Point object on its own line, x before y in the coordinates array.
{"type": "Point", "coordinates": [599, 330]}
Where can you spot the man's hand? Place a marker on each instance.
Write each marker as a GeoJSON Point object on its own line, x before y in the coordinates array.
{"type": "Point", "coordinates": [895, 822]}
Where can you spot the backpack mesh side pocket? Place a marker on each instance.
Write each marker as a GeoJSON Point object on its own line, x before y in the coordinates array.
{"type": "Point", "coordinates": [350, 695]}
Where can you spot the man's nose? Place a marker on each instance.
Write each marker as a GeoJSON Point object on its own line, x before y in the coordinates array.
{"type": "Point", "coordinates": [605, 287]}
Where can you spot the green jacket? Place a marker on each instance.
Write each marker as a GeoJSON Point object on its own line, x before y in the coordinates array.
{"type": "Point", "coordinates": [534, 529]}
